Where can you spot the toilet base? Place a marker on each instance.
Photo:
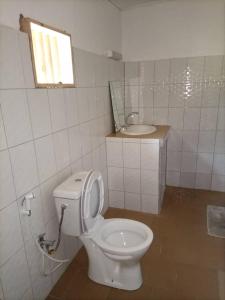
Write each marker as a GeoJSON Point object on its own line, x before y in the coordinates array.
{"type": "Point", "coordinates": [122, 275]}
{"type": "Point", "coordinates": [103, 269]}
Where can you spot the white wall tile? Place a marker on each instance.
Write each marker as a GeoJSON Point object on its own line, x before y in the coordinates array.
{"type": "Point", "coordinates": [149, 156]}
{"type": "Point", "coordinates": [161, 96]}
{"type": "Point", "coordinates": [190, 140]}
{"type": "Point", "coordinates": [71, 100]}
{"type": "Point", "coordinates": [3, 144]}
{"type": "Point", "coordinates": [24, 168]}
{"type": "Point", "coordinates": [206, 141]}
{"type": "Point", "coordinates": [28, 295]}
{"type": "Point", "coordinates": [15, 276]}
{"type": "Point", "coordinates": [7, 191]}
{"type": "Point", "coordinates": [220, 142]}
{"type": "Point", "coordinates": [147, 72]}
{"type": "Point", "coordinates": [131, 155]}
{"type": "Point", "coordinates": [146, 115]}
{"type": "Point", "coordinates": [177, 70]}
{"type": "Point", "coordinates": [162, 70]}
{"type": "Point", "coordinates": [218, 183]}
{"type": "Point", "coordinates": [149, 204]}
{"type": "Point", "coordinates": [34, 225]}
{"type": "Point", "coordinates": [195, 66]}
{"type": "Point", "coordinates": [149, 182]}
{"type": "Point", "coordinates": [208, 118]}
{"type": "Point", "coordinates": [176, 95]}
{"type": "Point", "coordinates": [203, 181]}
{"type": "Point", "coordinates": [16, 116]}
{"type": "Point", "coordinates": [176, 117]}
{"type": "Point", "coordinates": [173, 178]}
{"type": "Point", "coordinates": [75, 143]}
{"type": "Point", "coordinates": [173, 160]}
{"type": "Point", "coordinates": [115, 178]}
{"type": "Point", "coordinates": [11, 75]}
{"type": "Point", "coordinates": [87, 161]}
{"type": "Point", "coordinates": [221, 119]}
{"type": "Point", "coordinates": [114, 154]}
{"type": "Point", "coordinates": [83, 105]}
{"type": "Point", "coordinates": [222, 97]}
{"type": "Point", "coordinates": [48, 202]}
{"type": "Point", "coordinates": [191, 118]}
{"type": "Point", "coordinates": [26, 59]}
{"type": "Point", "coordinates": [11, 237]}
{"type": "Point", "coordinates": [189, 161]}
{"type": "Point", "coordinates": [132, 180]}
{"type": "Point", "coordinates": [86, 141]}
{"type": "Point", "coordinates": [160, 116]}
{"type": "Point", "coordinates": [1, 291]}
{"type": "Point", "coordinates": [132, 96]}
{"type": "Point", "coordinates": [210, 96]}
{"type": "Point", "coordinates": [133, 201]}
{"type": "Point", "coordinates": [61, 146]}
{"type": "Point", "coordinates": [132, 73]}
{"type": "Point", "coordinates": [219, 164]}
{"type": "Point", "coordinates": [174, 140]}
{"type": "Point", "coordinates": [204, 163]}
{"type": "Point", "coordinates": [116, 199]}
{"type": "Point", "coordinates": [39, 112]}
{"type": "Point", "coordinates": [213, 67]}
{"type": "Point", "coordinates": [193, 95]}
{"type": "Point", "coordinates": [41, 284]}
{"type": "Point", "coordinates": [145, 96]}
{"type": "Point", "coordinates": [45, 157]}
{"type": "Point", "coordinates": [57, 109]}
{"type": "Point", "coordinates": [187, 180]}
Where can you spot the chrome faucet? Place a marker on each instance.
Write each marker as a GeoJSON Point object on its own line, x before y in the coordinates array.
{"type": "Point", "coordinates": [45, 244]}
{"type": "Point", "coordinates": [131, 115]}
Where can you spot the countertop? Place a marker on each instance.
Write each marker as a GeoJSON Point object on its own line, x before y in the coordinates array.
{"type": "Point", "coordinates": [160, 133]}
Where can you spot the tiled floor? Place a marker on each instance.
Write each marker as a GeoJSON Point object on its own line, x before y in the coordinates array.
{"type": "Point", "coordinates": [183, 262]}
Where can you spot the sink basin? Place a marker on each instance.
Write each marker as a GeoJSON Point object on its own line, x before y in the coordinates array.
{"type": "Point", "coordinates": [138, 129]}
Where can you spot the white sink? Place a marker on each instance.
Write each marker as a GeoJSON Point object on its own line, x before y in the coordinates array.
{"type": "Point", "coordinates": [138, 129]}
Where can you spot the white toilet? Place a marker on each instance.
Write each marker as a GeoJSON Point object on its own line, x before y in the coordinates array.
{"type": "Point", "coordinates": [114, 246]}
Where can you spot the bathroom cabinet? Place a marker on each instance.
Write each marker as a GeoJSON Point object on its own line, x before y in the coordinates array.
{"type": "Point", "coordinates": [137, 170]}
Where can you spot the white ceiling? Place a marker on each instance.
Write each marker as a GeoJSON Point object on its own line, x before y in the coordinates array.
{"type": "Point", "coordinates": [124, 4]}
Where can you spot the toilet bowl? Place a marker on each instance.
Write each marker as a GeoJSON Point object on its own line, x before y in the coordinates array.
{"type": "Point", "coordinates": [114, 246]}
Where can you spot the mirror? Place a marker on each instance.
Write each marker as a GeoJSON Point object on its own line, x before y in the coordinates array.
{"type": "Point", "coordinates": [117, 98]}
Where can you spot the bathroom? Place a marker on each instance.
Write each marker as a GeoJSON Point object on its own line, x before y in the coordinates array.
{"type": "Point", "coordinates": [171, 69]}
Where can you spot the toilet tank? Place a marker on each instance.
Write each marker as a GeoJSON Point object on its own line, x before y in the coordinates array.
{"type": "Point", "coordinates": [69, 193]}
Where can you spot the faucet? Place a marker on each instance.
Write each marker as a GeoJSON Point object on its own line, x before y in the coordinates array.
{"type": "Point", "coordinates": [131, 115]}
{"type": "Point", "coordinates": [45, 244]}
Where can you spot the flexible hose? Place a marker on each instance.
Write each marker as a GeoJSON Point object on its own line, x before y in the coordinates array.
{"type": "Point", "coordinates": [63, 207]}
{"type": "Point", "coordinates": [44, 254]}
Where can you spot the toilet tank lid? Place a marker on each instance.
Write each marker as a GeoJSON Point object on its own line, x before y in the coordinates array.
{"type": "Point", "coordinates": [71, 188]}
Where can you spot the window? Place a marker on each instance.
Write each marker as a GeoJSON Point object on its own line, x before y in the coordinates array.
{"type": "Point", "coordinates": [51, 54]}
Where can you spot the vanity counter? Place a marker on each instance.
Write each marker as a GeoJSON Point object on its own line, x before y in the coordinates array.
{"type": "Point", "coordinates": [137, 170]}
{"type": "Point", "coordinates": [160, 133]}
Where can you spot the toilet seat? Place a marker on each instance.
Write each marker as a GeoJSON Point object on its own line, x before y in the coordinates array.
{"type": "Point", "coordinates": [92, 200]}
{"type": "Point", "coordinates": [123, 238]}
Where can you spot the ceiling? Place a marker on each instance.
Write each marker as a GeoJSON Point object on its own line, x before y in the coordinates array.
{"type": "Point", "coordinates": [124, 4]}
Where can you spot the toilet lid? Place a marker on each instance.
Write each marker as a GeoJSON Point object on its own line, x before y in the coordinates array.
{"type": "Point", "coordinates": [92, 199]}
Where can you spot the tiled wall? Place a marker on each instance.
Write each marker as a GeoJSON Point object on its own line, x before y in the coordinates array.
{"type": "Point", "coordinates": [45, 135]}
{"type": "Point", "coordinates": [136, 173]}
{"type": "Point", "coordinates": [189, 95]}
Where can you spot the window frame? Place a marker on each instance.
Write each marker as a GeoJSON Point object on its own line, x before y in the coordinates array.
{"type": "Point", "coordinates": [25, 26]}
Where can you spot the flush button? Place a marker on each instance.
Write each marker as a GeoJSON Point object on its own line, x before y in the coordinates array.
{"type": "Point", "coordinates": [78, 180]}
